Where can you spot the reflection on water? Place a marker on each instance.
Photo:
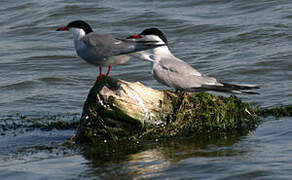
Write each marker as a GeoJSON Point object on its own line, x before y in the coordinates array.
{"type": "Point", "coordinates": [229, 156]}
{"type": "Point", "coordinates": [153, 158]}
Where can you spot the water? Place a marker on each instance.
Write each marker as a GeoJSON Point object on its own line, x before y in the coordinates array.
{"type": "Point", "coordinates": [239, 41]}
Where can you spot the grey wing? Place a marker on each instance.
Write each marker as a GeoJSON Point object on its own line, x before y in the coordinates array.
{"type": "Point", "coordinates": [180, 75]}
{"type": "Point", "coordinates": [108, 45]}
{"type": "Point", "coordinates": [179, 66]}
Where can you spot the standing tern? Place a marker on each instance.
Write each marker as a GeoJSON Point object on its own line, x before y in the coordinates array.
{"type": "Point", "coordinates": [174, 72]}
{"type": "Point", "coordinates": [103, 49]}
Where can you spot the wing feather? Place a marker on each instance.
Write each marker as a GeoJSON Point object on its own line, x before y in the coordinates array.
{"type": "Point", "coordinates": [106, 45]}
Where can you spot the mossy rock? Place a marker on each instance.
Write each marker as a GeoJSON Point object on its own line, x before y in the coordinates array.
{"type": "Point", "coordinates": [118, 110]}
{"type": "Point", "coordinates": [204, 113]}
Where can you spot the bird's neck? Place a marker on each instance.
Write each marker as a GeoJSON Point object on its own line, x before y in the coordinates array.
{"type": "Point", "coordinates": [77, 33]}
{"type": "Point", "coordinates": [162, 51]}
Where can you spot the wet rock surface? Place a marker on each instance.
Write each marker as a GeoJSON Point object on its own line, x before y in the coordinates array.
{"type": "Point", "coordinates": [116, 110]}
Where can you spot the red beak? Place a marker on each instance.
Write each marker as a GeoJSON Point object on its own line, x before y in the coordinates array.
{"type": "Point", "coordinates": [64, 28]}
{"type": "Point", "coordinates": [135, 36]}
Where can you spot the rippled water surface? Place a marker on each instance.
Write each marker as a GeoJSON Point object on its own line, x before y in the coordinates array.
{"type": "Point", "coordinates": [239, 41]}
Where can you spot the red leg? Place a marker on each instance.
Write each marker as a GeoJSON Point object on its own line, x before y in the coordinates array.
{"type": "Point", "coordinates": [108, 71]}
{"type": "Point", "coordinates": [100, 71]}
{"type": "Point", "coordinates": [100, 74]}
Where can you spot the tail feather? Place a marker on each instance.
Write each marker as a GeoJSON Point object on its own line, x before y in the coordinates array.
{"type": "Point", "coordinates": [233, 88]}
{"type": "Point", "coordinates": [240, 86]}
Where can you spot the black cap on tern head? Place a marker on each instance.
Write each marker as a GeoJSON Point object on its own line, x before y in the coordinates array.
{"type": "Point", "coordinates": [80, 24]}
{"type": "Point", "coordinates": [156, 32]}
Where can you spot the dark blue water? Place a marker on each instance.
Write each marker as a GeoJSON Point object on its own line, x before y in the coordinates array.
{"type": "Point", "coordinates": [238, 41]}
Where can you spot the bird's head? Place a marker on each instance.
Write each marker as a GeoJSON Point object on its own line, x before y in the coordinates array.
{"type": "Point", "coordinates": [150, 34]}
{"type": "Point", "coordinates": [79, 24]}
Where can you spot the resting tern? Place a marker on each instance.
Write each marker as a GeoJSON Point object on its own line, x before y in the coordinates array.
{"type": "Point", "coordinates": [176, 73]}
{"type": "Point", "coordinates": [103, 49]}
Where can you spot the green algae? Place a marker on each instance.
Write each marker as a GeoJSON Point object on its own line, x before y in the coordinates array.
{"type": "Point", "coordinates": [204, 113]}
{"type": "Point", "coordinates": [281, 111]}
{"type": "Point", "coordinates": [18, 123]}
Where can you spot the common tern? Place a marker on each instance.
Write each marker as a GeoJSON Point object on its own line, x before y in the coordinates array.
{"type": "Point", "coordinates": [176, 73]}
{"type": "Point", "coordinates": [103, 49]}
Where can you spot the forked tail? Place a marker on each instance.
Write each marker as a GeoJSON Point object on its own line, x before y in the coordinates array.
{"type": "Point", "coordinates": [234, 88]}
